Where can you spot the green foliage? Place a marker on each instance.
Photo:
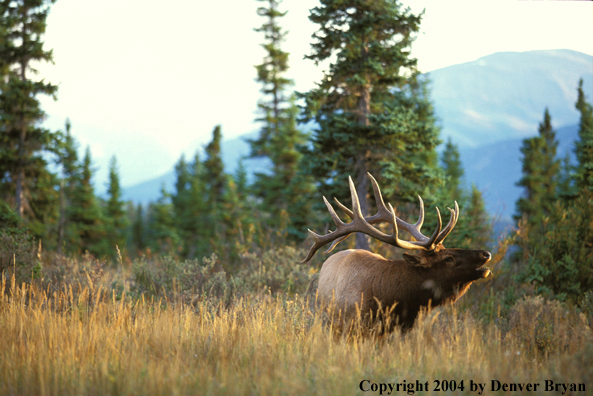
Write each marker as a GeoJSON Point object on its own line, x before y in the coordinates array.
{"type": "Point", "coordinates": [18, 256]}
{"type": "Point", "coordinates": [474, 226]}
{"type": "Point", "coordinates": [541, 172]}
{"type": "Point", "coordinates": [86, 219]}
{"type": "Point", "coordinates": [27, 183]}
{"type": "Point", "coordinates": [584, 146]}
{"type": "Point", "coordinates": [453, 169]}
{"type": "Point", "coordinates": [561, 257]}
{"type": "Point", "coordinates": [191, 207]}
{"type": "Point", "coordinates": [371, 109]}
{"type": "Point", "coordinates": [68, 161]}
{"type": "Point", "coordinates": [138, 234]}
{"type": "Point", "coordinates": [10, 222]}
{"type": "Point", "coordinates": [115, 216]}
{"type": "Point", "coordinates": [274, 271]}
{"type": "Point", "coordinates": [163, 235]}
{"type": "Point", "coordinates": [284, 192]}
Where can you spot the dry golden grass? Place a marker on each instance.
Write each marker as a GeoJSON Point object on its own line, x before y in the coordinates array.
{"type": "Point", "coordinates": [83, 341]}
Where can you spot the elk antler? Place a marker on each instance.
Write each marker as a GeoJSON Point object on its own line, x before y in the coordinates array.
{"type": "Point", "coordinates": [384, 214]}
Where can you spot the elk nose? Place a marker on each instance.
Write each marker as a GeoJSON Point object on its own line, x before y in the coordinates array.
{"type": "Point", "coordinates": [486, 255]}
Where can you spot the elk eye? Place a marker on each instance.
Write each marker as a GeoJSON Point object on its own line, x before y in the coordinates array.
{"type": "Point", "coordinates": [449, 260]}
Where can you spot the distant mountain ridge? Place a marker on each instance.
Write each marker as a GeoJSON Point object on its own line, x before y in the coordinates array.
{"type": "Point", "coordinates": [487, 107]}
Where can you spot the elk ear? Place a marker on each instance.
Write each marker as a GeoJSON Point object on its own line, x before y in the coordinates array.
{"type": "Point", "coordinates": [415, 260]}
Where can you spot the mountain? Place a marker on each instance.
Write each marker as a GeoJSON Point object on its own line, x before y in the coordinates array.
{"type": "Point", "coordinates": [503, 96]}
{"type": "Point", "coordinates": [487, 106]}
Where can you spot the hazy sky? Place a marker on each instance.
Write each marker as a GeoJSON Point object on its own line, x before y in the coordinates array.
{"type": "Point", "coordinates": [147, 80]}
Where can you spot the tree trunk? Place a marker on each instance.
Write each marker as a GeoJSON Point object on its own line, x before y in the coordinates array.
{"type": "Point", "coordinates": [361, 167]}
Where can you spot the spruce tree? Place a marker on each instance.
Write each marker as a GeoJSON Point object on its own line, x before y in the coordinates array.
{"type": "Point", "coordinates": [163, 233]}
{"type": "Point", "coordinates": [584, 146]}
{"type": "Point", "coordinates": [541, 171]}
{"type": "Point", "coordinates": [566, 189]}
{"type": "Point", "coordinates": [214, 170]}
{"type": "Point", "coordinates": [282, 190]}
{"type": "Point", "coordinates": [116, 220]}
{"type": "Point", "coordinates": [371, 108]}
{"type": "Point", "coordinates": [215, 181]}
{"type": "Point", "coordinates": [24, 141]}
{"type": "Point", "coordinates": [474, 227]}
{"type": "Point", "coordinates": [85, 213]}
{"type": "Point", "coordinates": [70, 169]}
{"type": "Point", "coordinates": [139, 229]}
{"type": "Point", "coordinates": [453, 170]}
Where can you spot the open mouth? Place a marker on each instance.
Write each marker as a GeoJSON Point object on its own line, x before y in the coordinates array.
{"type": "Point", "coordinates": [484, 271]}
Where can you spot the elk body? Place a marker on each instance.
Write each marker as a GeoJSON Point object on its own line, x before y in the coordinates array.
{"type": "Point", "coordinates": [362, 284]}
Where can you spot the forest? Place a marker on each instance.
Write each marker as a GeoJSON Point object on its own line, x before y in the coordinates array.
{"type": "Point", "coordinates": [204, 292]}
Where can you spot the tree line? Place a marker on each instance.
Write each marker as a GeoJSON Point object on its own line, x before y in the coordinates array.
{"type": "Point", "coordinates": [371, 112]}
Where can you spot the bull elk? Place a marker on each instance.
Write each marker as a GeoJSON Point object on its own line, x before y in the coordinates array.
{"type": "Point", "coordinates": [363, 283]}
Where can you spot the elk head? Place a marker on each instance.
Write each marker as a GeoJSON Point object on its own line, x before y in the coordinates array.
{"type": "Point", "coordinates": [360, 281]}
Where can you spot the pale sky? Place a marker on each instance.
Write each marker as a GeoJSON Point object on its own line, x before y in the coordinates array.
{"type": "Point", "coordinates": [148, 80]}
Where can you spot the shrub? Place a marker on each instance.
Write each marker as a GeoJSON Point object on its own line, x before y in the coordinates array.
{"type": "Point", "coordinates": [560, 258]}
{"type": "Point", "coordinates": [18, 257]}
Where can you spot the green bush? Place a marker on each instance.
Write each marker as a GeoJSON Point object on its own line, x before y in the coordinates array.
{"type": "Point", "coordinates": [273, 271]}
{"type": "Point", "coordinates": [560, 258]}
{"type": "Point", "coordinates": [18, 257]}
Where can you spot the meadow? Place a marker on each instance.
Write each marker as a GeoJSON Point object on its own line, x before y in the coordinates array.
{"type": "Point", "coordinates": [137, 329]}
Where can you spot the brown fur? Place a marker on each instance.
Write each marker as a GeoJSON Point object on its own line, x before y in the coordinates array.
{"type": "Point", "coordinates": [362, 283]}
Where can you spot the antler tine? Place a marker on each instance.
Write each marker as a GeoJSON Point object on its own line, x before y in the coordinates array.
{"type": "Point", "coordinates": [420, 221]}
{"type": "Point", "coordinates": [450, 225]}
{"type": "Point", "coordinates": [384, 214]}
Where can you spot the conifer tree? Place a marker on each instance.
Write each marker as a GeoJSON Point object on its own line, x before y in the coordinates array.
{"type": "Point", "coordinates": [541, 170]}
{"type": "Point", "coordinates": [371, 108]}
{"type": "Point", "coordinates": [190, 207]}
{"type": "Point", "coordinates": [215, 181]}
{"type": "Point", "coordinates": [139, 229]}
{"type": "Point", "coordinates": [116, 220]}
{"type": "Point", "coordinates": [566, 189]}
{"type": "Point", "coordinates": [214, 175]}
{"type": "Point", "coordinates": [163, 234]}
{"type": "Point", "coordinates": [282, 190]}
{"type": "Point", "coordinates": [474, 227]}
{"type": "Point", "coordinates": [479, 226]}
{"type": "Point", "coordinates": [70, 169]}
{"type": "Point", "coordinates": [84, 212]}
{"type": "Point", "coordinates": [453, 170]}
{"type": "Point", "coordinates": [584, 146]}
{"type": "Point", "coordinates": [24, 141]}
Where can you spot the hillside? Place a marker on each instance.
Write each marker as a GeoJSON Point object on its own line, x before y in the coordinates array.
{"type": "Point", "coordinates": [503, 96]}
{"type": "Point", "coordinates": [487, 106]}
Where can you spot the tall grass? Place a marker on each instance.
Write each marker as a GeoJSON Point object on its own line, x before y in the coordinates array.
{"type": "Point", "coordinates": [84, 339]}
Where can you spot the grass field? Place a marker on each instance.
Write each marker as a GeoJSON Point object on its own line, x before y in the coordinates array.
{"type": "Point", "coordinates": [84, 339]}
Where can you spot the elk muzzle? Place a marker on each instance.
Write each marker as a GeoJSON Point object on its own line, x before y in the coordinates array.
{"type": "Point", "coordinates": [484, 271]}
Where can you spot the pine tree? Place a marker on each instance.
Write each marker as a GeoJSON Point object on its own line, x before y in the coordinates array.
{"type": "Point", "coordinates": [541, 171]}
{"type": "Point", "coordinates": [116, 220]}
{"type": "Point", "coordinates": [584, 146]}
{"type": "Point", "coordinates": [139, 229]}
{"type": "Point", "coordinates": [566, 189]}
{"type": "Point", "coordinates": [371, 108]}
{"type": "Point", "coordinates": [214, 170]}
{"type": "Point", "coordinates": [215, 185]}
{"type": "Point", "coordinates": [474, 227]}
{"type": "Point", "coordinates": [84, 212]}
{"type": "Point", "coordinates": [282, 190]}
{"type": "Point", "coordinates": [70, 169]}
{"type": "Point", "coordinates": [163, 234]}
{"type": "Point", "coordinates": [24, 141]}
{"type": "Point", "coordinates": [479, 225]}
{"type": "Point", "coordinates": [453, 170]}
